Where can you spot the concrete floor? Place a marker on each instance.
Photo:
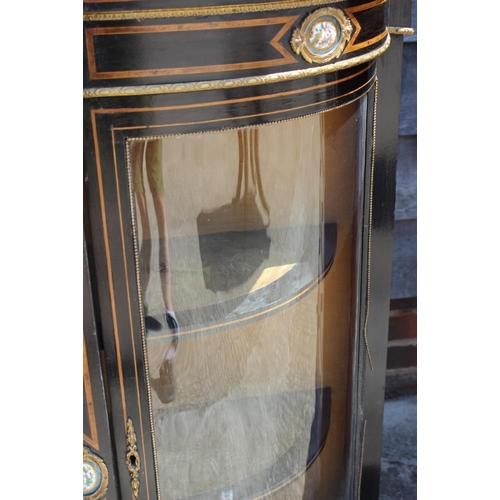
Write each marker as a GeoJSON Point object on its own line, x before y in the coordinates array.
{"type": "Point", "coordinates": [398, 479]}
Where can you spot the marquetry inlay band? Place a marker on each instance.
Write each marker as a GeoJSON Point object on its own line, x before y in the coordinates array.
{"type": "Point", "coordinates": [174, 88]}
{"type": "Point", "coordinates": [216, 60]}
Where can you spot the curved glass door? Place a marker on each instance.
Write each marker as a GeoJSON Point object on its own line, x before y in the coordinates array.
{"type": "Point", "coordinates": [247, 269]}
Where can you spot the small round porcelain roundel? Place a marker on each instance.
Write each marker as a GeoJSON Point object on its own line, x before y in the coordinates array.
{"type": "Point", "coordinates": [322, 36]}
{"type": "Point", "coordinates": [92, 477]}
{"type": "Point", "coordinates": [95, 476]}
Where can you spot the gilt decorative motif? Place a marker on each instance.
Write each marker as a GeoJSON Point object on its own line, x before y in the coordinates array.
{"type": "Point", "coordinates": [322, 36]}
{"type": "Point", "coordinates": [132, 459]}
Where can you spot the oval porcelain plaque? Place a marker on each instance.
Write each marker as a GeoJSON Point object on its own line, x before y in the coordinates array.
{"type": "Point", "coordinates": [322, 36]}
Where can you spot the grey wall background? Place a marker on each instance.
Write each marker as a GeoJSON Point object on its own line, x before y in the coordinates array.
{"type": "Point", "coordinates": [404, 272]}
{"type": "Point", "coordinates": [398, 473]}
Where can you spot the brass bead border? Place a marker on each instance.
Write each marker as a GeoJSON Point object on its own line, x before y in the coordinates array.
{"type": "Point", "coordinates": [174, 88]}
{"type": "Point", "coordinates": [215, 10]}
{"type": "Point", "coordinates": [370, 226]}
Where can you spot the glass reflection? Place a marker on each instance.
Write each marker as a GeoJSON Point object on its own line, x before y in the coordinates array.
{"type": "Point", "coordinates": [246, 271]}
{"type": "Point", "coordinates": [146, 157]}
{"type": "Point", "coordinates": [233, 238]}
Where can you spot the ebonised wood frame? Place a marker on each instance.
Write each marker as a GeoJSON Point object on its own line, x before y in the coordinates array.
{"type": "Point", "coordinates": [107, 129]}
{"type": "Point", "coordinates": [134, 112]}
{"type": "Point", "coordinates": [97, 434]}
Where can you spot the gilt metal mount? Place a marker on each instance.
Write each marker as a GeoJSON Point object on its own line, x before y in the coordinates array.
{"type": "Point", "coordinates": [322, 36]}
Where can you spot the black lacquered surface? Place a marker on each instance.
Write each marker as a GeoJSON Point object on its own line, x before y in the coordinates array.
{"type": "Point", "coordinates": [125, 53]}
{"type": "Point", "coordinates": [199, 384]}
{"type": "Point", "coordinates": [174, 49]}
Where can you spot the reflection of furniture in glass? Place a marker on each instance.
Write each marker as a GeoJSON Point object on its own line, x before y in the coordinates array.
{"type": "Point", "coordinates": [275, 286]}
{"type": "Point", "coordinates": [273, 379]}
{"type": "Point", "coordinates": [233, 238]}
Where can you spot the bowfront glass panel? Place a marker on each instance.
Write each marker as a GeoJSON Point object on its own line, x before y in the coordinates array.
{"type": "Point", "coordinates": [247, 270]}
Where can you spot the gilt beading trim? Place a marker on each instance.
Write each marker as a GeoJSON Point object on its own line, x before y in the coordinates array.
{"type": "Point", "coordinates": [215, 10]}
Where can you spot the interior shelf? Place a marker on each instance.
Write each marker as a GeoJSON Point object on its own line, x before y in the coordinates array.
{"type": "Point", "coordinates": [274, 288]}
